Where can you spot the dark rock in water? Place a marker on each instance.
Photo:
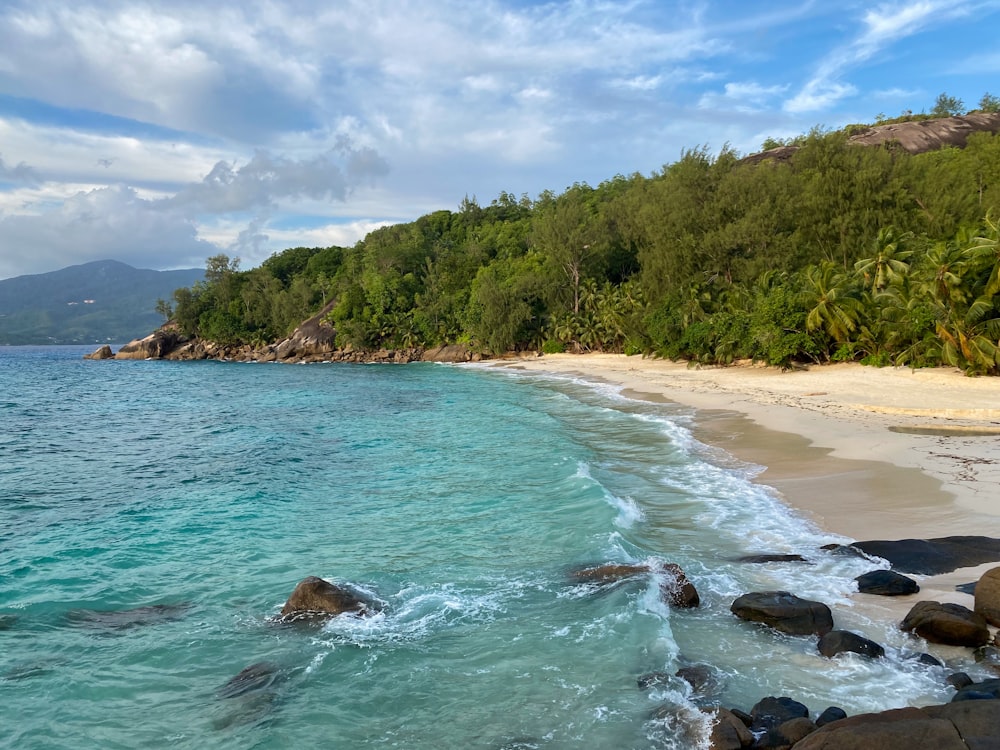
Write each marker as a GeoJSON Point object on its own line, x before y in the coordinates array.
{"type": "Point", "coordinates": [771, 558]}
{"type": "Point", "coordinates": [770, 712]}
{"type": "Point", "coordinates": [958, 680]}
{"type": "Point", "coordinates": [844, 550]}
{"type": "Point", "coordinates": [784, 612]}
{"type": "Point", "coordinates": [260, 676]}
{"type": "Point", "coordinates": [985, 690]}
{"type": "Point", "coordinates": [967, 588]}
{"type": "Point", "coordinates": [923, 658]}
{"type": "Point", "coordinates": [934, 556]}
{"type": "Point", "coordinates": [886, 583]}
{"type": "Point", "coordinates": [701, 677]}
{"type": "Point", "coordinates": [949, 624]}
{"type": "Point", "coordinates": [743, 716]}
{"type": "Point", "coordinates": [125, 619]}
{"type": "Point", "coordinates": [675, 590]}
{"type": "Point", "coordinates": [830, 715]}
{"type": "Point", "coordinates": [729, 732]}
{"type": "Point", "coordinates": [987, 593]}
{"type": "Point", "coordinates": [653, 679]}
{"type": "Point", "coordinates": [316, 599]}
{"type": "Point", "coordinates": [838, 641]}
{"type": "Point", "coordinates": [7, 622]}
{"type": "Point", "coordinates": [970, 725]}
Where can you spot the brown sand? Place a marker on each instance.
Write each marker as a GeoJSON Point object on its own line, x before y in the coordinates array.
{"type": "Point", "coordinates": [868, 453]}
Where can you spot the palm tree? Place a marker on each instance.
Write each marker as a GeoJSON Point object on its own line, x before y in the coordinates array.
{"type": "Point", "coordinates": [829, 301]}
{"type": "Point", "coordinates": [888, 264]}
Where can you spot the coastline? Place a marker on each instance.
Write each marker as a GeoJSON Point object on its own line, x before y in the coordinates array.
{"type": "Point", "coordinates": [865, 453]}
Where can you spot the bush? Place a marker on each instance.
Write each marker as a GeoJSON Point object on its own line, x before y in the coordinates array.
{"type": "Point", "coordinates": [551, 346]}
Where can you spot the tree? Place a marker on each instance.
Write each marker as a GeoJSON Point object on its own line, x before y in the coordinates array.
{"type": "Point", "coordinates": [165, 309]}
{"type": "Point", "coordinates": [989, 103]}
{"type": "Point", "coordinates": [830, 307]}
{"type": "Point", "coordinates": [947, 106]}
{"type": "Point", "coordinates": [888, 264]}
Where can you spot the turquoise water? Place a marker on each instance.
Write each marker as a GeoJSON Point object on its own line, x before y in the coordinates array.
{"type": "Point", "coordinates": [154, 517]}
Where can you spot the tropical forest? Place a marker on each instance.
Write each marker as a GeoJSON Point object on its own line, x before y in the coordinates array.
{"type": "Point", "coordinates": [817, 249]}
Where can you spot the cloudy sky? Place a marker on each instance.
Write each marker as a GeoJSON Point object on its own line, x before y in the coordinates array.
{"type": "Point", "coordinates": [159, 133]}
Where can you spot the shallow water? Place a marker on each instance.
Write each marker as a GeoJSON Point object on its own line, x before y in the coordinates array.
{"type": "Point", "coordinates": [154, 516]}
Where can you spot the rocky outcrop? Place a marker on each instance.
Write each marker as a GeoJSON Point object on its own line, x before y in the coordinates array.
{"type": "Point", "coordinates": [987, 596]}
{"type": "Point", "coordinates": [784, 612]}
{"type": "Point", "coordinates": [448, 353]}
{"type": "Point", "coordinates": [102, 353]}
{"type": "Point", "coordinates": [949, 624]}
{"type": "Point", "coordinates": [886, 583]}
{"type": "Point", "coordinates": [977, 691]}
{"type": "Point", "coordinates": [969, 725]}
{"type": "Point", "coordinates": [916, 137]}
{"type": "Point", "coordinates": [934, 556]}
{"type": "Point", "coordinates": [729, 732]}
{"type": "Point", "coordinates": [840, 641]}
{"type": "Point", "coordinates": [317, 599]}
{"type": "Point", "coordinates": [675, 588]}
{"type": "Point", "coordinates": [156, 345]}
{"type": "Point", "coordinates": [771, 558]}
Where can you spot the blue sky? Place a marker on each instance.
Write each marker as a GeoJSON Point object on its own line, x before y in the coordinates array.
{"type": "Point", "coordinates": [159, 133]}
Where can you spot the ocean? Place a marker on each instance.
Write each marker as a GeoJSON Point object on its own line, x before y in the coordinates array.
{"type": "Point", "coordinates": [154, 517]}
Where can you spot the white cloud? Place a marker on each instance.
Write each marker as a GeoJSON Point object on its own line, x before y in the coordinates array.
{"type": "Point", "coordinates": [747, 96]}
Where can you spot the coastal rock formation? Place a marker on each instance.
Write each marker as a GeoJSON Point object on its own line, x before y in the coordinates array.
{"type": "Point", "coordinates": [448, 353]}
{"type": "Point", "coordinates": [315, 598]}
{"type": "Point", "coordinates": [314, 336]}
{"type": "Point", "coordinates": [934, 556]}
{"type": "Point", "coordinates": [988, 596]}
{"type": "Point", "coordinates": [886, 583]}
{"type": "Point", "coordinates": [103, 353]}
{"type": "Point", "coordinates": [830, 715]}
{"type": "Point", "coordinates": [729, 732]}
{"type": "Point", "coordinates": [948, 623]}
{"type": "Point", "coordinates": [916, 137]}
{"type": "Point", "coordinates": [969, 725]}
{"type": "Point", "coordinates": [156, 345]}
{"type": "Point", "coordinates": [769, 558]}
{"type": "Point", "coordinates": [838, 641]}
{"type": "Point", "coordinates": [784, 612]}
{"type": "Point", "coordinates": [975, 691]}
{"type": "Point", "coordinates": [675, 589]}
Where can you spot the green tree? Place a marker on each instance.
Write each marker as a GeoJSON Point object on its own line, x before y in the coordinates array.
{"type": "Point", "coordinates": [989, 103]}
{"type": "Point", "coordinates": [947, 106]}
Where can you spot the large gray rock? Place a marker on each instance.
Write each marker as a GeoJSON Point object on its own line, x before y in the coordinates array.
{"type": "Point", "coordinates": [840, 641]}
{"type": "Point", "coordinates": [156, 345]}
{"type": "Point", "coordinates": [103, 352]}
{"type": "Point", "coordinates": [970, 725]}
{"type": "Point", "coordinates": [934, 556]}
{"type": "Point", "coordinates": [949, 624]}
{"type": "Point", "coordinates": [784, 612]}
{"type": "Point", "coordinates": [988, 596]}
{"type": "Point", "coordinates": [886, 583]}
{"type": "Point", "coordinates": [728, 732]}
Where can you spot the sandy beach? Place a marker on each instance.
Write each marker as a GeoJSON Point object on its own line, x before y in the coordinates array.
{"type": "Point", "coordinates": [866, 453]}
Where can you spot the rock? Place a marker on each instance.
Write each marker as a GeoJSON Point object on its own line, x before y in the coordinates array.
{"type": "Point", "coordinates": [793, 730]}
{"type": "Point", "coordinates": [784, 612]}
{"type": "Point", "coordinates": [987, 596]}
{"type": "Point", "coordinates": [250, 697]}
{"type": "Point", "coordinates": [676, 589]}
{"type": "Point", "coordinates": [7, 622]}
{"type": "Point", "coordinates": [702, 678]}
{"type": "Point", "coordinates": [653, 679]}
{"type": "Point", "coordinates": [966, 588]}
{"type": "Point", "coordinates": [886, 583]}
{"type": "Point", "coordinates": [126, 619]}
{"type": "Point", "coordinates": [103, 353]}
{"type": "Point", "coordinates": [771, 712]}
{"type": "Point", "coordinates": [838, 641]}
{"type": "Point", "coordinates": [447, 353]}
{"type": "Point", "coordinates": [156, 345]}
{"type": "Point", "coordinates": [759, 559]}
{"type": "Point", "coordinates": [985, 690]}
{"type": "Point", "coordinates": [729, 732]}
{"type": "Point", "coordinates": [948, 623]}
{"type": "Point", "coordinates": [313, 337]}
{"type": "Point", "coordinates": [970, 725]}
{"type": "Point", "coordinates": [958, 680]}
{"type": "Point", "coordinates": [260, 676]}
{"type": "Point", "coordinates": [314, 598]}
{"type": "Point", "coordinates": [923, 658]}
{"type": "Point", "coordinates": [934, 556]}
{"type": "Point", "coordinates": [830, 715]}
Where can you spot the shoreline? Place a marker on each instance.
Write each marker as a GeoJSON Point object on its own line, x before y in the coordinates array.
{"type": "Point", "coordinates": [864, 453]}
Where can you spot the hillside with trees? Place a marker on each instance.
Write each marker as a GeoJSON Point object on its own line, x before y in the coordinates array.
{"type": "Point", "coordinates": [833, 252]}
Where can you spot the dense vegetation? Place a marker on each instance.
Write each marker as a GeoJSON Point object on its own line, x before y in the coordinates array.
{"type": "Point", "coordinates": [840, 253]}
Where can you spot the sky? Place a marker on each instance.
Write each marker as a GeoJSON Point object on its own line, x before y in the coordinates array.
{"type": "Point", "coordinates": [159, 133]}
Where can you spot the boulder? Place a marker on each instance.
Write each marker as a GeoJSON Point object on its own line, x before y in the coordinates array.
{"type": "Point", "coordinates": [313, 337]}
{"type": "Point", "coordinates": [970, 725]}
{"type": "Point", "coordinates": [886, 583]}
{"type": "Point", "coordinates": [729, 732]}
{"type": "Point", "coordinates": [447, 353]}
{"type": "Point", "coordinates": [675, 589]}
{"type": "Point", "coordinates": [260, 676]}
{"type": "Point", "coordinates": [156, 345]}
{"type": "Point", "coordinates": [838, 641]}
{"type": "Point", "coordinates": [126, 619]}
{"type": "Point", "coordinates": [830, 715]}
{"type": "Point", "coordinates": [103, 353]}
{"type": "Point", "coordinates": [701, 677]}
{"type": "Point", "coordinates": [958, 680]}
{"type": "Point", "coordinates": [987, 689]}
{"type": "Point", "coordinates": [784, 612]}
{"type": "Point", "coordinates": [314, 598]}
{"type": "Point", "coordinates": [768, 558]}
{"type": "Point", "coordinates": [934, 556]}
{"type": "Point", "coordinates": [771, 712]}
{"type": "Point", "coordinates": [948, 623]}
{"type": "Point", "coordinates": [988, 596]}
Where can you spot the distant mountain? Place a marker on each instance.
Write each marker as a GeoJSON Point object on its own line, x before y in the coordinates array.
{"type": "Point", "coordinates": [100, 302]}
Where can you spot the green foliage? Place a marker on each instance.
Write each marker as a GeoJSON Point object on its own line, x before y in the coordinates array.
{"type": "Point", "coordinates": [553, 347]}
{"type": "Point", "coordinates": [947, 106]}
{"type": "Point", "coordinates": [989, 103]}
